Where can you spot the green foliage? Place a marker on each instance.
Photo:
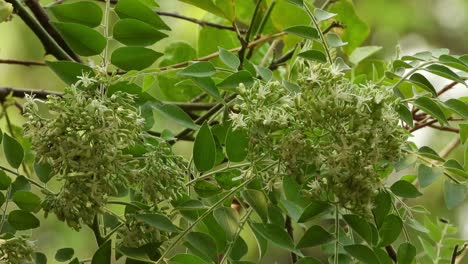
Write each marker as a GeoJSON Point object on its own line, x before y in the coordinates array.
{"type": "Point", "coordinates": [284, 132]}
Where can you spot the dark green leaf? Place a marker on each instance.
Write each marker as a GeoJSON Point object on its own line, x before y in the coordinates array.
{"type": "Point", "coordinates": [313, 209]}
{"type": "Point", "coordinates": [40, 258]}
{"type": "Point", "coordinates": [315, 236]}
{"type": "Point", "coordinates": [231, 60]}
{"type": "Point", "coordinates": [429, 106]}
{"type": "Point", "coordinates": [308, 260]}
{"type": "Point", "coordinates": [275, 234]}
{"type": "Point", "coordinates": [69, 71]}
{"type": "Point", "coordinates": [2, 199]}
{"type": "Point", "coordinates": [137, 10]}
{"type": "Point", "coordinates": [360, 226]}
{"type": "Point", "coordinates": [64, 254]}
{"type": "Point", "coordinates": [176, 114]}
{"type": "Point", "coordinates": [5, 181]}
{"type": "Point", "coordinates": [84, 12]}
{"type": "Point", "coordinates": [134, 58]}
{"type": "Point", "coordinates": [235, 79]}
{"type": "Point", "coordinates": [206, 189]}
{"type": "Point", "coordinates": [159, 221]}
{"type": "Point", "coordinates": [361, 53]}
{"type": "Point", "coordinates": [313, 55]}
{"type": "Point", "coordinates": [27, 201]}
{"type": "Point", "coordinates": [237, 144]}
{"type": "Point", "coordinates": [258, 201]}
{"type": "Point", "coordinates": [207, 5]}
{"type": "Point", "coordinates": [463, 132]}
{"type": "Point", "coordinates": [454, 194]}
{"type": "Point", "coordinates": [228, 219]}
{"type": "Point", "coordinates": [209, 86]}
{"type": "Point", "coordinates": [23, 220]}
{"type": "Point", "coordinates": [13, 150]}
{"type": "Point", "coordinates": [177, 52]}
{"type": "Point", "coordinates": [306, 32]}
{"type": "Point", "coordinates": [43, 171]}
{"type": "Point", "coordinates": [203, 245]}
{"type": "Point", "coordinates": [422, 82]}
{"type": "Point", "coordinates": [335, 41]}
{"type": "Point", "coordinates": [103, 254]}
{"type": "Point", "coordinates": [456, 168]}
{"type": "Point", "coordinates": [82, 39]}
{"type": "Point", "coordinates": [383, 204]}
{"type": "Point", "coordinates": [186, 259]}
{"type": "Point", "coordinates": [444, 72]}
{"type": "Point", "coordinates": [428, 175]}
{"type": "Point", "coordinates": [199, 69]}
{"type": "Point", "coordinates": [453, 62]}
{"type": "Point", "coordinates": [405, 189]}
{"type": "Point", "coordinates": [406, 253]}
{"type": "Point", "coordinates": [362, 253]}
{"type": "Point", "coordinates": [390, 230]}
{"type": "Point", "coordinates": [228, 179]}
{"type": "Point", "coordinates": [204, 149]}
{"type": "Point", "coordinates": [457, 106]}
{"type": "Point", "coordinates": [426, 151]}
{"type": "Point", "coordinates": [239, 249]}
{"type": "Point", "coordinates": [405, 114]}
{"type": "Point", "coordinates": [134, 32]}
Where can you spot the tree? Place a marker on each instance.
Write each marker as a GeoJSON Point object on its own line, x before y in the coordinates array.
{"type": "Point", "coordinates": [298, 134]}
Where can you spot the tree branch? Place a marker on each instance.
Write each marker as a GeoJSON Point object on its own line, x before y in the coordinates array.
{"type": "Point", "coordinates": [23, 63]}
{"type": "Point", "coordinates": [50, 45]}
{"type": "Point", "coordinates": [43, 19]}
{"type": "Point", "coordinates": [444, 128]}
{"type": "Point", "coordinates": [202, 23]}
{"type": "Point", "coordinates": [289, 229]}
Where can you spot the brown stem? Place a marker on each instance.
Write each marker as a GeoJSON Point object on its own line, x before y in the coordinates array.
{"type": "Point", "coordinates": [391, 253]}
{"type": "Point", "coordinates": [200, 22]}
{"type": "Point", "coordinates": [23, 63]}
{"type": "Point", "coordinates": [443, 128]}
{"type": "Point", "coordinates": [290, 230]}
{"type": "Point", "coordinates": [446, 88]}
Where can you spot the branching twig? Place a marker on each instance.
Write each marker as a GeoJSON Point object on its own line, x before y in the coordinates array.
{"type": "Point", "coordinates": [23, 63]}
{"type": "Point", "coordinates": [449, 148]}
{"type": "Point", "coordinates": [444, 128]}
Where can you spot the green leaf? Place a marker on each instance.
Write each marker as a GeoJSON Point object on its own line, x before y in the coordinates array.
{"type": "Point", "coordinates": [206, 189]}
{"type": "Point", "coordinates": [176, 114]}
{"type": "Point", "coordinates": [453, 62]}
{"type": "Point", "coordinates": [82, 39]}
{"type": "Point", "coordinates": [322, 15]}
{"type": "Point", "coordinates": [233, 80]}
{"type": "Point", "coordinates": [177, 52]}
{"type": "Point", "coordinates": [356, 31]}
{"type": "Point", "coordinates": [306, 32]}
{"type": "Point", "coordinates": [312, 210]}
{"type": "Point", "coordinates": [186, 259]}
{"type": "Point", "coordinates": [262, 243]}
{"type": "Point", "coordinates": [383, 204]}
{"type": "Point", "coordinates": [207, 5]}
{"type": "Point", "coordinates": [103, 254]}
{"type": "Point", "coordinates": [43, 171]}
{"type": "Point", "coordinates": [13, 150]}
{"type": "Point", "coordinates": [454, 194]}
{"type": "Point", "coordinates": [2, 200]}
{"type": "Point", "coordinates": [265, 73]}
{"type": "Point", "coordinates": [405, 114]}
{"type": "Point", "coordinates": [361, 53]}
{"type": "Point", "coordinates": [258, 201]}
{"type": "Point", "coordinates": [209, 86]}
{"type": "Point", "coordinates": [308, 260]}
{"type": "Point", "coordinates": [457, 106]}
{"type": "Point", "coordinates": [231, 60]}
{"type": "Point", "coordinates": [428, 175]}
{"type": "Point", "coordinates": [228, 219]}
{"type": "Point", "coordinates": [406, 253]}
{"type": "Point", "coordinates": [299, 3]}
{"type": "Point", "coordinates": [313, 55]}
{"type": "Point", "coordinates": [291, 87]}
{"type": "Point", "coordinates": [362, 253]}
{"type": "Point", "coordinates": [64, 254]}
{"type": "Point", "coordinates": [203, 245]}
{"type": "Point", "coordinates": [463, 132]}
{"type": "Point", "coordinates": [432, 108]}
{"type": "Point", "coordinates": [204, 149]}
{"type": "Point", "coordinates": [134, 58]}
{"type": "Point", "coordinates": [134, 32]}
{"type": "Point", "coordinates": [69, 71]}
{"type": "Point", "coordinates": [422, 82]}
{"type": "Point", "coordinates": [199, 69]}
{"type": "Point", "coordinates": [228, 179]}
{"type": "Point", "coordinates": [5, 181]}
{"type": "Point", "coordinates": [40, 258]}
{"type": "Point", "coordinates": [426, 151]}
{"type": "Point", "coordinates": [275, 234]}
{"type": "Point", "coordinates": [239, 249]}
{"type": "Point", "coordinates": [159, 221]}
{"type": "Point", "coordinates": [315, 236]}
{"type": "Point", "coordinates": [390, 230]}
{"type": "Point", "coordinates": [21, 183]}
{"type": "Point", "coordinates": [6, 9]}
{"type": "Point", "coordinates": [335, 41]}
{"type": "Point", "coordinates": [405, 189]}
{"type": "Point", "coordinates": [27, 201]}
{"type": "Point", "coordinates": [444, 72]}
{"type": "Point", "coordinates": [137, 10]}
{"type": "Point", "coordinates": [360, 226]}
{"type": "Point", "coordinates": [84, 12]}
{"type": "Point", "coordinates": [22, 220]}
{"type": "Point", "coordinates": [237, 144]}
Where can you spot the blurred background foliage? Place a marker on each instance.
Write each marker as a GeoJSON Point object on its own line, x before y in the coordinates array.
{"type": "Point", "coordinates": [415, 25]}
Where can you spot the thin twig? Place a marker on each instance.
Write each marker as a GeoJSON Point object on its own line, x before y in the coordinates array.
{"type": "Point", "coordinates": [290, 230]}
{"type": "Point", "coordinates": [444, 128]}
{"type": "Point", "coordinates": [449, 148]}
{"type": "Point", "coordinates": [246, 39]}
{"type": "Point", "coordinates": [202, 23]}
{"type": "Point", "coordinates": [23, 63]}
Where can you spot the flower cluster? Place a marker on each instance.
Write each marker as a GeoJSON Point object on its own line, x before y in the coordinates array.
{"type": "Point", "coordinates": [16, 250]}
{"type": "Point", "coordinates": [332, 133]}
{"type": "Point", "coordinates": [83, 136]}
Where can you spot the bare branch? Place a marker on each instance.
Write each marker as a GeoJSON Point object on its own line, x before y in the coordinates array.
{"type": "Point", "coordinates": [200, 22]}
{"type": "Point", "coordinates": [23, 63]}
